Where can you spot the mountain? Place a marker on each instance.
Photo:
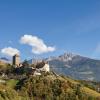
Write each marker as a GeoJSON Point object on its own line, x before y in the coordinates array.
{"type": "Point", "coordinates": [76, 66]}
{"type": "Point", "coordinates": [34, 60]}
{"type": "Point", "coordinates": [5, 60]}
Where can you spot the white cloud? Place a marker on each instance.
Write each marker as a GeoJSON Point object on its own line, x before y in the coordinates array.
{"type": "Point", "coordinates": [37, 44]}
{"type": "Point", "coordinates": [9, 51]}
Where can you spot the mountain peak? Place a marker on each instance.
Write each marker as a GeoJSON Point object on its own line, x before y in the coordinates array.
{"type": "Point", "coordinates": [66, 57]}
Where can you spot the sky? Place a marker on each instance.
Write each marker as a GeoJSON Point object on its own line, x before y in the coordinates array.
{"type": "Point", "coordinates": [43, 28]}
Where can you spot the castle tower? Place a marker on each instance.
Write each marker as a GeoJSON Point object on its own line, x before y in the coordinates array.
{"type": "Point", "coordinates": [16, 60]}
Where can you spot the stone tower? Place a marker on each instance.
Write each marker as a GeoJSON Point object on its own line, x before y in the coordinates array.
{"type": "Point", "coordinates": [16, 60]}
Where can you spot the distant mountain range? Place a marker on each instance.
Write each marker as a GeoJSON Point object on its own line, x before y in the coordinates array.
{"type": "Point", "coordinates": [76, 66]}
{"type": "Point", "coordinates": [5, 60]}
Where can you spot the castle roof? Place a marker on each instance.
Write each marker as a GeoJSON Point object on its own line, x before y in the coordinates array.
{"type": "Point", "coordinates": [40, 65]}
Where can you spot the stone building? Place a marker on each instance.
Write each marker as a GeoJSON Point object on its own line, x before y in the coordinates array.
{"type": "Point", "coordinates": [43, 66]}
{"type": "Point", "coordinates": [16, 60]}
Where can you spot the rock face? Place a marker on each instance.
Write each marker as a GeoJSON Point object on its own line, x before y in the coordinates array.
{"type": "Point", "coordinates": [76, 66]}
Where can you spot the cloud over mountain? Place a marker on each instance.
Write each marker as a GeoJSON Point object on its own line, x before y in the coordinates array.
{"type": "Point", "coordinates": [10, 51]}
{"type": "Point", "coordinates": [37, 44]}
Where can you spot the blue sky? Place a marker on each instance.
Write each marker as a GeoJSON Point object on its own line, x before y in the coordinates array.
{"type": "Point", "coordinates": [67, 25]}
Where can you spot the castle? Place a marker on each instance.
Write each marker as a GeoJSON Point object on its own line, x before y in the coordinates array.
{"type": "Point", "coordinates": [41, 66]}
{"type": "Point", "coordinates": [16, 60]}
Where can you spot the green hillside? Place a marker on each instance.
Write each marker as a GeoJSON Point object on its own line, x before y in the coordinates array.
{"type": "Point", "coordinates": [48, 86]}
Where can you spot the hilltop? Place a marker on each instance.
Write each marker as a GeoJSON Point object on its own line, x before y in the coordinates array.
{"type": "Point", "coordinates": [37, 82]}
{"type": "Point", "coordinates": [48, 86]}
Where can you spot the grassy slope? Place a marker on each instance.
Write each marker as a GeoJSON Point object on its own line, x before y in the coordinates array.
{"type": "Point", "coordinates": [12, 83]}
{"type": "Point", "coordinates": [7, 91]}
{"type": "Point", "coordinates": [90, 92]}
{"type": "Point", "coordinates": [85, 89]}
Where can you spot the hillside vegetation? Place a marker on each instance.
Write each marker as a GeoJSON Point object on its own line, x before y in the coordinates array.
{"type": "Point", "coordinates": [48, 86]}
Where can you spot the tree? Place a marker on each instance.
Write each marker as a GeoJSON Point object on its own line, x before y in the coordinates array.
{"type": "Point", "coordinates": [25, 63]}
